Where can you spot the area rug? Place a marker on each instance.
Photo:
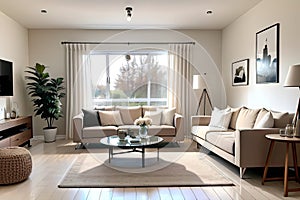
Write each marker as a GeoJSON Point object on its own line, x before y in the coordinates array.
{"type": "Point", "coordinates": [187, 169]}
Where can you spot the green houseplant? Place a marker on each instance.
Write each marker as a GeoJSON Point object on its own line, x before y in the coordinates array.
{"type": "Point", "coordinates": [46, 94]}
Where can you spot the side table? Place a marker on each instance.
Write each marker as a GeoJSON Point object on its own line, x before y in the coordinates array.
{"type": "Point", "coordinates": [289, 141]}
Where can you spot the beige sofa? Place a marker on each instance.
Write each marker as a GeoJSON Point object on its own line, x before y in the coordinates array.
{"type": "Point", "coordinates": [243, 142]}
{"type": "Point", "coordinates": [91, 125]}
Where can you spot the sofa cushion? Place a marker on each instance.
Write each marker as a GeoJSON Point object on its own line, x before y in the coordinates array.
{"type": "Point", "coordinates": [155, 116]}
{"type": "Point", "coordinates": [149, 108]}
{"type": "Point", "coordinates": [220, 119]}
{"type": "Point", "coordinates": [90, 118]}
{"type": "Point", "coordinates": [223, 140]}
{"type": "Point", "coordinates": [129, 114]}
{"type": "Point", "coordinates": [99, 131]}
{"type": "Point", "coordinates": [246, 118]}
{"type": "Point", "coordinates": [109, 118]}
{"type": "Point", "coordinates": [162, 130]}
{"type": "Point", "coordinates": [200, 131]}
{"type": "Point", "coordinates": [168, 116]}
{"type": "Point", "coordinates": [264, 119]}
{"type": "Point", "coordinates": [234, 116]}
{"type": "Point", "coordinates": [282, 119]}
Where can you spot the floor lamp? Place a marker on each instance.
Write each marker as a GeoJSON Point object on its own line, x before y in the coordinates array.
{"type": "Point", "coordinates": [293, 80]}
{"type": "Point", "coordinates": [198, 83]}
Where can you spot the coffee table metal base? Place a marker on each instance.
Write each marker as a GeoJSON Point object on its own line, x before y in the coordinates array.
{"type": "Point", "coordinates": [133, 149]}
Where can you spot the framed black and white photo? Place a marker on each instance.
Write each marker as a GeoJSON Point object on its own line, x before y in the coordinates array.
{"type": "Point", "coordinates": [267, 55]}
{"type": "Point", "coordinates": [240, 72]}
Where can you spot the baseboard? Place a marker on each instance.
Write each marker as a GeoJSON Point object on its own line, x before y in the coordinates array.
{"type": "Point", "coordinates": [41, 137]}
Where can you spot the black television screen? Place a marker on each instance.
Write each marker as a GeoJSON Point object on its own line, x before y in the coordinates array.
{"type": "Point", "coordinates": [6, 78]}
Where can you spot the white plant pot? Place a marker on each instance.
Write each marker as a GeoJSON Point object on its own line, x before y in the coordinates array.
{"type": "Point", "coordinates": [50, 134]}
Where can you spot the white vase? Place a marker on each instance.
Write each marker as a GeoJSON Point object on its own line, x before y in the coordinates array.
{"type": "Point", "coordinates": [50, 134]}
{"type": "Point", "coordinates": [143, 131]}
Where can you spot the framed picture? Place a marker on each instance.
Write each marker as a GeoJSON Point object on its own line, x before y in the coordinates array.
{"type": "Point", "coordinates": [240, 72]}
{"type": "Point", "coordinates": [267, 55]}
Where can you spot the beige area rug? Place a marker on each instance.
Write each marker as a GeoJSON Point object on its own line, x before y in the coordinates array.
{"type": "Point", "coordinates": [177, 169]}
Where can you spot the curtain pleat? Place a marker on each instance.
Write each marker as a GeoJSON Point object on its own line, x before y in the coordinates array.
{"type": "Point", "coordinates": [180, 82]}
{"type": "Point", "coordinates": [79, 86]}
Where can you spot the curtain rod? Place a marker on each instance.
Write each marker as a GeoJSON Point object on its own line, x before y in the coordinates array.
{"type": "Point", "coordinates": [128, 43]}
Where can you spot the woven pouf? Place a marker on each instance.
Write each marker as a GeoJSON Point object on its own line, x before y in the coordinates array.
{"type": "Point", "coordinates": [15, 165]}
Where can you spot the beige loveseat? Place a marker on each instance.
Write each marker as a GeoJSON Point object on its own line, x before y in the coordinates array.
{"type": "Point", "coordinates": [243, 141]}
{"type": "Point", "coordinates": [91, 125]}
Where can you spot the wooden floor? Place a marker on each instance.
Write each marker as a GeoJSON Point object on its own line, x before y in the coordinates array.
{"type": "Point", "coordinates": [52, 160]}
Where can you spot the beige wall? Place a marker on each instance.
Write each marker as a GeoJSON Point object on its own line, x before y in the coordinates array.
{"type": "Point", "coordinates": [238, 42]}
{"type": "Point", "coordinates": [14, 48]}
{"type": "Point", "coordinates": [45, 47]}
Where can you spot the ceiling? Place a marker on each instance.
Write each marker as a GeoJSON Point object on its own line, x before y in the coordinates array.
{"type": "Point", "coordinates": [111, 14]}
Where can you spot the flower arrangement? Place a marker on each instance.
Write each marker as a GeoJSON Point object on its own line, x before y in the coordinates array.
{"type": "Point", "coordinates": [146, 121]}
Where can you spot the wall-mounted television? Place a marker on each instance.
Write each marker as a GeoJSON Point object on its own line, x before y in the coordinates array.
{"type": "Point", "coordinates": [6, 78]}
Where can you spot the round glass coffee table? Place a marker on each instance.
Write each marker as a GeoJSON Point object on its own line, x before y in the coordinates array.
{"type": "Point", "coordinates": [131, 145]}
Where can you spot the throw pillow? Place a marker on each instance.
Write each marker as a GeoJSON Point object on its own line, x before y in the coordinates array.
{"type": "Point", "coordinates": [246, 118]}
{"type": "Point", "coordinates": [155, 116]}
{"type": "Point", "coordinates": [90, 118]}
{"type": "Point", "coordinates": [168, 116]}
{"type": "Point", "coordinates": [129, 114]}
{"type": "Point", "coordinates": [281, 119]}
{"type": "Point", "coordinates": [234, 116]}
{"type": "Point", "coordinates": [266, 121]}
{"type": "Point", "coordinates": [220, 119]}
{"type": "Point", "coordinates": [110, 118]}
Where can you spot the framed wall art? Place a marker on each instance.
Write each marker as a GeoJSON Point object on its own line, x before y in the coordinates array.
{"type": "Point", "coordinates": [267, 55]}
{"type": "Point", "coordinates": [240, 72]}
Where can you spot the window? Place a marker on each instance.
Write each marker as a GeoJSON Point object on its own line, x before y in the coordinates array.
{"type": "Point", "coordinates": [138, 78]}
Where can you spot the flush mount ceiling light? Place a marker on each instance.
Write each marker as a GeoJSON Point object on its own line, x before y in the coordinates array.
{"type": "Point", "coordinates": [129, 13]}
{"type": "Point", "coordinates": [44, 11]}
{"type": "Point", "coordinates": [209, 12]}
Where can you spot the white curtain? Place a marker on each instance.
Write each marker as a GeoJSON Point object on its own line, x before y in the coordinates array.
{"type": "Point", "coordinates": [79, 86]}
{"type": "Point", "coordinates": [180, 82]}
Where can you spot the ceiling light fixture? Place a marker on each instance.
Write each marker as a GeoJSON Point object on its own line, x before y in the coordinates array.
{"type": "Point", "coordinates": [44, 11]}
{"type": "Point", "coordinates": [129, 13]}
{"type": "Point", "coordinates": [209, 12]}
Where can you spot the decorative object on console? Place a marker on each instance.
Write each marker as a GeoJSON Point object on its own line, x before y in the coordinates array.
{"type": "Point", "coordinates": [198, 83]}
{"type": "Point", "coordinates": [128, 13]}
{"type": "Point", "coordinates": [267, 55]}
{"type": "Point", "coordinates": [46, 93]}
{"type": "Point", "coordinates": [2, 113]}
{"type": "Point", "coordinates": [293, 80]}
{"type": "Point", "coordinates": [240, 72]}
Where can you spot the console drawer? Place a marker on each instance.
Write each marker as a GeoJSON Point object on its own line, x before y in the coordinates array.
{"type": "Point", "coordinates": [5, 142]}
{"type": "Point", "coordinates": [20, 138]}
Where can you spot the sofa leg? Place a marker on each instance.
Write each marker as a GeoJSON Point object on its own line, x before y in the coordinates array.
{"type": "Point", "coordinates": [242, 171]}
{"type": "Point", "coordinates": [80, 146]}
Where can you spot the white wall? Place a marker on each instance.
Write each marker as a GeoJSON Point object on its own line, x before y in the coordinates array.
{"type": "Point", "coordinates": [238, 42]}
{"type": "Point", "coordinates": [45, 47]}
{"type": "Point", "coordinates": [14, 48]}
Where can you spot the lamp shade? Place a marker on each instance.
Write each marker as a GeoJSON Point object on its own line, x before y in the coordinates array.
{"type": "Point", "coordinates": [198, 82]}
{"type": "Point", "coordinates": [293, 76]}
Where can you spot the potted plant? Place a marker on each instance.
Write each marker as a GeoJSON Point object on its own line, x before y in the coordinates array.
{"type": "Point", "coordinates": [46, 94]}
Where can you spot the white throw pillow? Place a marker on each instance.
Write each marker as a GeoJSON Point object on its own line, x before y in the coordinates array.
{"type": "Point", "coordinates": [168, 116]}
{"type": "Point", "coordinates": [220, 119]}
{"type": "Point", "coordinates": [155, 116]}
{"type": "Point", "coordinates": [267, 121]}
{"type": "Point", "coordinates": [110, 118]}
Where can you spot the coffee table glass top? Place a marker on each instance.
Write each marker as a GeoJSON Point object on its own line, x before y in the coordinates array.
{"type": "Point", "coordinates": [131, 142]}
